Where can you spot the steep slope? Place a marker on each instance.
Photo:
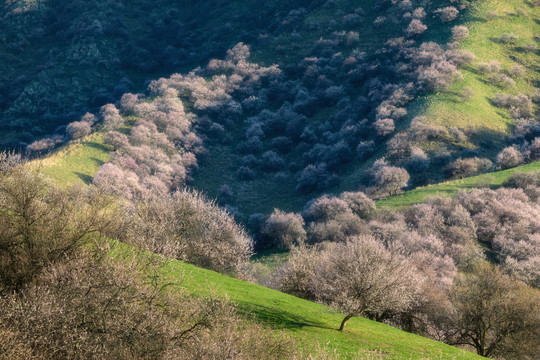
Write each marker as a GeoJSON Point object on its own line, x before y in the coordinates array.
{"type": "Point", "coordinates": [460, 121]}
{"type": "Point", "coordinates": [468, 104]}
{"type": "Point", "coordinates": [348, 70]}
{"type": "Point", "coordinates": [312, 323]}
{"type": "Point", "coordinates": [62, 58]}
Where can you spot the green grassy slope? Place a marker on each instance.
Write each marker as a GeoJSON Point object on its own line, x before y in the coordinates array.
{"type": "Point", "coordinates": [78, 161]}
{"type": "Point", "coordinates": [311, 322]}
{"type": "Point", "coordinates": [449, 188]}
{"type": "Point", "coordinates": [487, 126]}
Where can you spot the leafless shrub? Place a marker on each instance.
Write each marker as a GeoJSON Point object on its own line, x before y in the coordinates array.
{"type": "Point", "coordinates": [461, 168]}
{"type": "Point", "coordinates": [389, 179]}
{"type": "Point", "coordinates": [418, 160]}
{"type": "Point", "coordinates": [116, 140]}
{"type": "Point", "coordinates": [492, 67]}
{"type": "Point", "coordinates": [520, 106]}
{"type": "Point", "coordinates": [40, 224]}
{"type": "Point", "coordinates": [491, 15]}
{"type": "Point", "coordinates": [522, 180]}
{"type": "Point", "coordinates": [325, 208]}
{"type": "Point", "coordinates": [460, 32]}
{"type": "Point", "coordinates": [509, 157]}
{"type": "Point", "coordinates": [111, 117]}
{"type": "Point", "coordinates": [501, 80]}
{"type": "Point", "coordinates": [416, 27]}
{"type": "Point", "coordinates": [78, 129]}
{"type": "Point", "coordinates": [89, 118]}
{"type": "Point", "coordinates": [447, 14]}
{"type": "Point", "coordinates": [45, 144]}
{"type": "Point", "coordinates": [296, 275]}
{"type": "Point", "coordinates": [517, 71]}
{"type": "Point", "coordinates": [534, 149]}
{"type": "Point", "coordinates": [189, 227]}
{"type": "Point", "coordinates": [285, 230]}
{"type": "Point", "coordinates": [359, 203]}
{"type": "Point", "coordinates": [508, 38]}
{"type": "Point", "coordinates": [384, 126]}
{"type": "Point", "coordinates": [128, 103]}
{"type": "Point", "coordinates": [419, 13]}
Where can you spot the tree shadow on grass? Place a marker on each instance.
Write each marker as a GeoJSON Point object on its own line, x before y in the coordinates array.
{"type": "Point", "coordinates": [279, 318]}
{"type": "Point", "coordinates": [97, 161]}
{"type": "Point", "coordinates": [87, 179]}
{"type": "Point", "coordinates": [97, 146]}
{"type": "Point", "coordinates": [488, 140]}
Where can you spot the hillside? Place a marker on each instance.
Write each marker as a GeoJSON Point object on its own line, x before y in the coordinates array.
{"type": "Point", "coordinates": [61, 59]}
{"type": "Point", "coordinates": [449, 188]}
{"type": "Point", "coordinates": [482, 129]}
{"type": "Point", "coordinates": [357, 159]}
{"type": "Point", "coordinates": [338, 84]}
{"type": "Point", "coordinates": [314, 323]}
{"type": "Point", "coordinates": [486, 125]}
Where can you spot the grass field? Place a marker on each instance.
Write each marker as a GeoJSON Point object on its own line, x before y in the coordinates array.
{"type": "Point", "coordinates": [78, 161]}
{"type": "Point", "coordinates": [487, 125]}
{"type": "Point", "coordinates": [449, 188]}
{"type": "Point", "coordinates": [313, 323]}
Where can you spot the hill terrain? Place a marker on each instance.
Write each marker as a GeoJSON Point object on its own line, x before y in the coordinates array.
{"type": "Point", "coordinates": [348, 45]}
{"type": "Point", "coordinates": [313, 323]}
{"type": "Point", "coordinates": [360, 159]}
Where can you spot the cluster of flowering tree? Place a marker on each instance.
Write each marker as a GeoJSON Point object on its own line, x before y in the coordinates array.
{"type": "Point", "coordinates": [68, 290]}
{"type": "Point", "coordinates": [160, 151]}
{"type": "Point", "coordinates": [367, 93]}
{"type": "Point", "coordinates": [402, 267]}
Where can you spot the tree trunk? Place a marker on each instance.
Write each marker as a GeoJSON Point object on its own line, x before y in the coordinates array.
{"type": "Point", "coordinates": [344, 321]}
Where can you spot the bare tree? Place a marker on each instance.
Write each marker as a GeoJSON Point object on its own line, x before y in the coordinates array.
{"type": "Point", "coordinates": [187, 226]}
{"type": "Point", "coordinates": [495, 315]}
{"type": "Point", "coordinates": [285, 229]}
{"type": "Point", "coordinates": [40, 224]}
{"type": "Point", "coordinates": [389, 179]}
{"type": "Point", "coordinates": [361, 275]}
{"type": "Point", "coordinates": [384, 126]}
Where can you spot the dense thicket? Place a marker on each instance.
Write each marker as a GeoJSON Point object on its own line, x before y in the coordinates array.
{"type": "Point", "coordinates": [69, 290]}
{"type": "Point", "coordinates": [424, 269]}
{"type": "Point", "coordinates": [61, 58]}
{"type": "Point", "coordinates": [275, 106]}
